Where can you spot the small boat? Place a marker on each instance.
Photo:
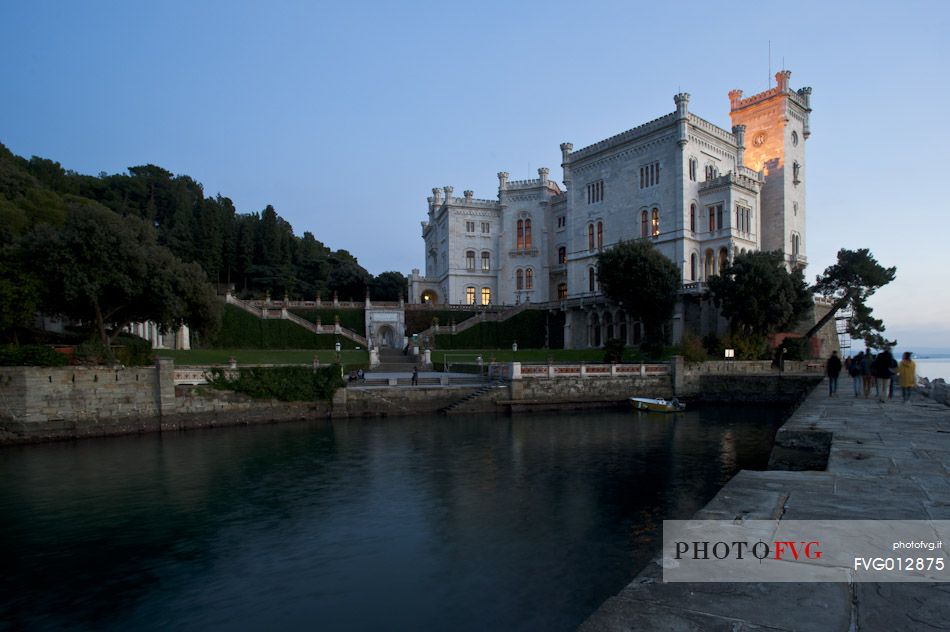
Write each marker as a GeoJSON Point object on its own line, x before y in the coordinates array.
{"type": "Point", "coordinates": [657, 404]}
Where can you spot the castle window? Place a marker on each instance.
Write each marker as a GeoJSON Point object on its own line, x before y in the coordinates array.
{"type": "Point", "coordinates": [796, 244]}
{"type": "Point", "coordinates": [562, 254]}
{"type": "Point", "coordinates": [693, 168]}
{"type": "Point", "coordinates": [692, 267]}
{"type": "Point", "coordinates": [520, 234]}
{"type": "Point", "coordinates": [723, 260]}
{"type": "Point", "coordinates": [655, 229]}
{"type": "Point", "coordinates": [486, 228]}
{"type": "Point", "coordinates": [711, 172]}
{"type": "Point", "coordinates": [590, 237]}
{"type": "Point", "coordinates": [715, 217]}
{"type": "Point", "coordinates": [649, 175]}
{"type": "Point", "coordinates": [529, 279]}
{"type": "Point", "coordinates": [692, 217]}
{"type": "Point", "coordinates": [527, 233]}
{"type": "Point", "coordinates": [562, 290]}
{"type": "Point", "coordinates": [743, 219]}
{"type": "Point", "coordinates": [796, 172]}
{"type": "Point", "coordinates": [470, 260]}
{"type": "Point", "coordinates": [595, 192]}
{"type": "Point", "coordinates": [519, 279]}
{"type": "Point", "coordinates": [486, 261]}
{"type": "Point", "coordinates": [486, 296]}
{"type": "Point", "coordinates": [469, 227]}
{"type": "Point", "coordinates": [591, 280]}
{"type": "Point", "coordinates": [600, 235]}
{"type": "Point", "coordinates": [470, 296]}
{"type": "Point", "coordinates": [561, 221]}
{"type": "Point", "coordinates": [644, 223]}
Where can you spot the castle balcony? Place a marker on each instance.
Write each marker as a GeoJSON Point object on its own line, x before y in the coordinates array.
{"type": "Point", "coordinates": [524, 252]}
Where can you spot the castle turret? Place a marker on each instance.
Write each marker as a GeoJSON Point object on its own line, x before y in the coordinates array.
{"type": "Point", "coordinates": [566, 149]}
{"type": "Point", "coordinates": [739, 132]}
{"type": "Point", "coordinates": [682, 115]}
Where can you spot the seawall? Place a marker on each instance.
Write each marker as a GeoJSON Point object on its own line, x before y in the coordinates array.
{"type": "Point", "coordinates": [874, 461]}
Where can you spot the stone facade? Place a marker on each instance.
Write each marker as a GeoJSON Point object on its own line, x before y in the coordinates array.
{"type": "Point", "coordinates": [701, 193]}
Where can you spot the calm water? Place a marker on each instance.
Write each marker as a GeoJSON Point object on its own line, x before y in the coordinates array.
{"type": "Point", "coordinates": [933, 368]}
{"type": "Point", "coordinates": [425, 523]}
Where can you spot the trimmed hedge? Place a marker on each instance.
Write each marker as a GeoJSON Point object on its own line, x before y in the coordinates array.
{"type": "Point", "coordinates": [31, 355]}
{"type": "Point", "coordinates": [241, 330]}
{"type": "Point", "coordinates": [352, 319]}
{"type": "Point", "coordinates": [421, 319]}
{"type": "Point", "coordinates": [284, 383]}
{"type": "Point", "coordinates": [527, 328]}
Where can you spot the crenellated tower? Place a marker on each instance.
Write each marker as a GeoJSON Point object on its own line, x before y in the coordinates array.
{"type": "Point", "coordinates": [776, 127]}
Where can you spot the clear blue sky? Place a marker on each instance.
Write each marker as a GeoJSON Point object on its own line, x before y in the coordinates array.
{"type": "Point", "coordinates": [344, 116]}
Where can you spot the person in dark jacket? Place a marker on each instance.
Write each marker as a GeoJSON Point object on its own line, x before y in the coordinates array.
{"type": "Point", "coordinates": [854, 370]}
{"type": "Point", "coordinates": [833, 369]}
{"type": "Point", "coordinates": [881, 370]}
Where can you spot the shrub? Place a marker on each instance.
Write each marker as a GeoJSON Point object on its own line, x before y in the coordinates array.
{"type": "Point", "coordinates": [797, 348]}
{"type": "Point", "coordinates": [31, 355]}
{"type": "Point", "coordinates": [613, 350]}
{"type": "Point", "coordinates": [747, 346]}
{"type": "Point", "coordinates": [692, 348]}
{"type": "Point", "coordinates": [284, 383]}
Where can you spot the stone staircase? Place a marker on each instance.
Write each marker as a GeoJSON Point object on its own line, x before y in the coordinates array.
{"type": "Point", "coordinates": [394, 361]}
{"type": "Point", "coordinates": [283, 314]}
{"type": "Point", "coordinates": [477, 319]}
{"type": "Point", "coordinates": [459, 406]}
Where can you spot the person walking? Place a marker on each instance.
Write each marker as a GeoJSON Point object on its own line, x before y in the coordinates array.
{"type": "Point", "coordinates": [415, 376]}
{"type": "Point", "coordinates": [833, 369]}
{"type": "Point", "coordinates": [907, 375]}
{"type": "Point", "coordinates": [881, 370]}
{"type": "Point", "coordinates": [866, 378]}
{"type": "Point", "coordinates": [854, 370]}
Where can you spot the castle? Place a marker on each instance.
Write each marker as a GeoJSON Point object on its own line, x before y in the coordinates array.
{"type": "Point", "coordinates": [701, 193]}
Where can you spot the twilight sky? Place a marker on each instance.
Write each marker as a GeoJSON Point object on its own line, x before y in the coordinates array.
{"type": "Point", "coordinates": [345, 115]}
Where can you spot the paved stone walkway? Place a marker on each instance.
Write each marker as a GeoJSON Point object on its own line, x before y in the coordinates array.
{"type": "Point", "coordinates": [887, 461]}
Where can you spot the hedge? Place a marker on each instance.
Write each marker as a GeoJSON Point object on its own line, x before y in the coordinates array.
{"type": "Point", "coordinates": [284, 383]}
{"type": "Point", "coordinates": [421, 319]}
{"type": "Point", "coordinates": [527, 328]}
{"type": "Point", "coordinates": [352, 319]}
{"type": "Point", "coordinates": [241, 330]}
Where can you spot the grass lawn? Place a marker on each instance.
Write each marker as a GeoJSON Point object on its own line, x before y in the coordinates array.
{"type": "Point", "coordinates": [262, 356]}
{"type": "Point", "coordinates": [529, 356]}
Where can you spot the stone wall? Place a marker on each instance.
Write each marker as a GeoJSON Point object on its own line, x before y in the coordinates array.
{"type": "Point", "coordinates": [590, 389]}
{"type": "Point", "coordinates": [399, 400]}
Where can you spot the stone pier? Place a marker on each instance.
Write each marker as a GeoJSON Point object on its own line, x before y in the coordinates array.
{"type": "Point", "coordinates": [880, 461]}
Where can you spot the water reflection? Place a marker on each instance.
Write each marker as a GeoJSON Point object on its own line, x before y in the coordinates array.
{"type": "Point", "coordinates": [522, 523]}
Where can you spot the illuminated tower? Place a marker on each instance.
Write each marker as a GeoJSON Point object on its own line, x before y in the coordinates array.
{"type": "Point", "coordinates": [776, 128]}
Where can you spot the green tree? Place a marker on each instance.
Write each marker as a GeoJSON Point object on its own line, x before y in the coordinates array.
{"type": "Point", "coordinates": [759, 296]}
{"type": "Point", "coordinates": [850, 282]}
{"type": "Point", "coordinates": [20, 291]}
{"type": "Point", "coordinates": [110, 271]}
{"type": "Point", "coordinates": [389, 286]}
{"type": "Point", "coordinates": [636, 275]}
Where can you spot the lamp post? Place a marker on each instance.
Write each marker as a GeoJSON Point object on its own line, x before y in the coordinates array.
{"type": "Point", "coordinates": [514, 350]}
{"type": "Point", "coordinates": [337, 348]}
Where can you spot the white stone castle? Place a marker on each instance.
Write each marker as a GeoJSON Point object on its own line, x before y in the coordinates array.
{"type": "Point", "coordinates": [701, 193]}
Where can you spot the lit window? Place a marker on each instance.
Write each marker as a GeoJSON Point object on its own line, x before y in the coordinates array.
{"type": "Point", "coordinates": [486, 296]}
{"type": "Point", "coordinates": [529, 279]}
{"type": "Point", "coordinates": [590, 236]}
{"type": "Point", "coordinates": [486, 261]}
{"type": "Point", "coordinates": [527, 233]}
{"type": "Point", "coordinates": [562, 255]}
{"type": "Point", "coordinates": [470, 295]}
{"type": "Point", "coordinates": [562, 290]}
{"type": "Point", "coordinates": [520, 234]}
{"type": "Point", "coordinates": [656, 223]}
{"type": "Point", "coordinates": [470, 260]}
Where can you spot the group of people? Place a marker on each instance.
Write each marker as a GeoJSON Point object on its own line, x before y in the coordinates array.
{"type": "Point", "coordinates": [869, 370]}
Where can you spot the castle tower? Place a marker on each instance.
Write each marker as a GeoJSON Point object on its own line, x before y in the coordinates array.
{"type": "Point", "coordinates": [776, 127]}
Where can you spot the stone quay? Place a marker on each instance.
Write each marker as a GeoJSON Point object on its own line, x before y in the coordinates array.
{"type": "Point", "coordinates": [869, 461]}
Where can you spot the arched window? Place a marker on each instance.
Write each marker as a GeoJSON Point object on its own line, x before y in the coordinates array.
{"type": "Point", "coordinates": [590, 236]}
{"type": "Point", "coordinates": [692, 267]}
{"type": "Point", "coordinates": [470, 295]}
{"type": "Point", "coordinates": [486, 261]}
{"type": "Point", "coordinates": [796, 244]}
{"type": "Point", "coordinates": [600, 235]}
{"type": "Point", "coordinates": [529, 279]}
{"type": "Point", "coordinates": [519, 279]}
{"type": "Point", "coordinates": [712, 218]}
{"type": "Point", "coordinates": [655, 231]}
{"type": "Point", "coordinates": [527, 233]}
{"type": "Point", "coordinates": [709, 269]}
{"type": "Point", "coordinates": [562, 254]}
{"type": "Point", "coordinates": [486, 296]}
{"type": "Point", "coordinates": [723, 260]}
{"type": "Point", "coordinates": [591, 280]}
{"type": "Point", "coordinates": [692, 217]}
{"type": "Point", "coordinates": [644, 224]}
{"type": "Point", "coordinates": [470, 259]}
{"type": "Point", "coordinates": [562, 290]}
{"type": "Point", "coordinates": [520, 234]}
